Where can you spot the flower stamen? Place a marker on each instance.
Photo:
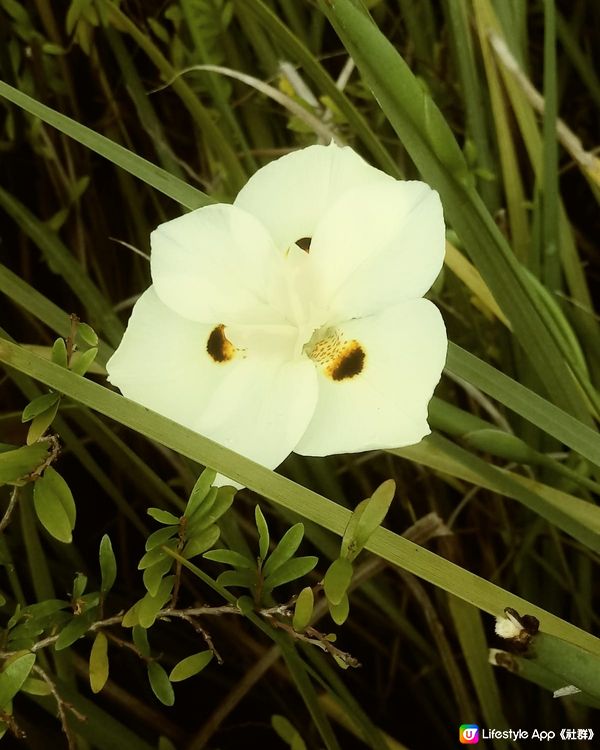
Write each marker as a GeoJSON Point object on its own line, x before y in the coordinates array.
{"type": "Point", "coordinates": [349, 362]}
{"type": "Point", "coordinates": [339, 359]}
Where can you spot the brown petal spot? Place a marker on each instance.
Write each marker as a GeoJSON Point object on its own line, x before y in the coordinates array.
{"type": "Point", "coordinates": [304, 243]}
{"type": "Point", "coordinates": [218, 345]}
{"type": "Point", "coordinates": [349, 362]}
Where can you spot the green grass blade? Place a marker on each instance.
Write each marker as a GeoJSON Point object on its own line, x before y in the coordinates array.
{"type": "Point", "coordinates": [24, 295]}
{"type": "Point", "coordinates": [99, 310]}
{"type": "Point", "coordinates": [309, 695]}
{"type": "Point", "coordinates": [550, 206]}
{"type": "Point", "coordinates": [573, 515]}
{"type": "Point", "coordinates": [282, 491]}
{"type": "Point", "coordinates": [100, 728]}
{"type": "Point", "coordinates": [215, 85]}
{"type": "Point", "coordinates": [315, 71]}
{"type": "Point", "coordinates": [142, 103]}
{"type": "Point", "coordinates": [584, 66]}
{"type": "Point", "coordinates": [338, 694]}
{"type": "Point", "coordinates": [188, 196]}
{"type": "Point", "coordinates": [234, 175]}
{"type": "Point", "coordinates": [509, 161]}
{"type": "Point", "coordinates": [473, 92]}
{"type": "Point", "coordinates": [430, 143]}
{"type": "Point", "coordinates": [472, 637]}
{"type": "Point", "coordinates": [525, 402]}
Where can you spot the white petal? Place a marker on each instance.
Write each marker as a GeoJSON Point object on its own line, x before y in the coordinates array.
{"type": "Point", "coordinates": [385, 405]}
{"type": "Point", "coordinates": [256, 404]}
{"type": "Point", "coordinates": [291, 194]}
{"type": "Point", "coordinates": [159, 358]}
{"type": "Point", "coordinates": [379, 244]}
{"type": "Point", "coordinates": [215, 263]}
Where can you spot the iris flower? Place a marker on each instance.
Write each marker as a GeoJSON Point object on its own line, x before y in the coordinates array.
{"type": "Point", "coordinates": [294, 319]}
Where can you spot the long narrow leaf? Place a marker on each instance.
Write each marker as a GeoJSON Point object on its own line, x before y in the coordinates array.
{"type": "Point", "coordinates": [282, 491]}
{"type": "Point", "coordinates": [430, 143]}
{"type": "Point", "coordinates": [525, 402]}
{"type": "Point", "coordinates": [188, 196]}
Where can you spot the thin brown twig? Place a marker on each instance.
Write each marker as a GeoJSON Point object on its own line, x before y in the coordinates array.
{"type": "Point", "coordinates": [12, 725]}
{"type": "Point", "coordinates": [200, 630]}
{"type": "Point", "coordinates": [62, 707]}
{"type": "Point", "coordinates": [12, 504]}
{"type": "Point", "coordinates": [53, 452]}
{"type": "Point", "coordinates": [122, 643]}
{"type": "Point", "coordinates": [163, 614]}
{"type": "Point", "coordinates": [315, 638]}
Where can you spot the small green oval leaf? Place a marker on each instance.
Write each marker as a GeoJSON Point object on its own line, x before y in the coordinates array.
{"type": "Point", "coordinates": [160, 536]}
{"type": "Point", "coordinates": [337, 579]}
{"type": "Point", "coordinates": [201, 542]}
{"type": "Point", "coordinates": [504, 445]}
{"type": "Point", "coordinates": [283, 727]}
{"type": "Point", "coordinates": [349, 546]}
{"type": "Point", "coordinates": [87, 334]}
{"type": "Point", "coordinates": [155, 573]}
{"type": "Point", "coordinates": [131, 617]}
{"type": "Point", "coordinates": [140, 639]}
{"type": "Point", "coordinates": [99, 663]}
{"type": "Point", "coordinates": [39, 405]}
{"type": "Point", "coordinates": [263, 532]}
{"type": "Point", "coordinates": [222, 502]}
{"type": "Point", "coordinates": [163, 516]}
{"type": "Point", "coordinates": [156, 554]}
{"type": "Point", "coordinates": [20, 462]}
{"type": "Point", "coordinates": [59, 353]}
{"type": "Point", "coordinates": [290, 571]}
{"type": "Point", "coordinates": [200, 491]}
{"type": "Point", "coordinates": [339, 612]}
{"type": "Point", "coordinates": [54, 505]}
{"type": "Point", "coordinates": [82, 361]}
{"type": "Point", "coordinates": [43, 609]}
{"type": "Point", "coordinates": [33, 686]}
{"type": "Point", "coordinates": [245, 604]}
{"type": "Point", "coordinates": [287, 732]}
{"type": "Point", "coordinates": [244, 578]}
{"type": "Point", "coordinates": [190, 666]}
{"type": "Point", "coordinates": [150, 606]}
{"type": "Point", "coordinates": [374, 512]}
{"type": "Point", "coordinates": [74, 630]}
{"type": "Point", "coordinates": [230, 557]}
{"type": "Point", "coordinates": [40, 424]}
{"type": "Point", "coordinates": [108, 564]}
{"type": "Point", "coordinates": [79, 586]}
{"type": "Point", "coordinates": [288, 545]}
{"type": "Point", "coordinates": [160, 684]}
{"type": "Point", "coordinates": [303, 610]}
{"type": "Point", "coordinates": [13, 676]}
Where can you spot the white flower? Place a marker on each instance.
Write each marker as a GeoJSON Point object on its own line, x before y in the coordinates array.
{"type": "Point", "coordinates": [265, 348]}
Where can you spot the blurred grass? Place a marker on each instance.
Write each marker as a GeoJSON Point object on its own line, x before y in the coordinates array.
{"type": "Point", "coordinates": [525, 224]}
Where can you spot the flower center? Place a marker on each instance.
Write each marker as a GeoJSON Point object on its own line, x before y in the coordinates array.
{"type": "Point", "coordinates": [339, 358]}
